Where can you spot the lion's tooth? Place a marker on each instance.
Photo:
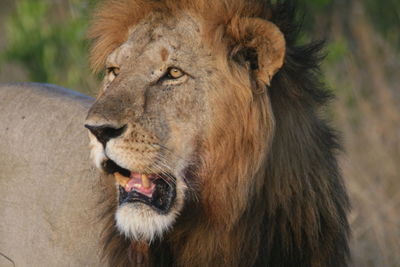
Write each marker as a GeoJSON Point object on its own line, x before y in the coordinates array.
{"type": "Point", "coordinates": [145, 181]}
{"type": "Point", "coordinates": [122, 180]}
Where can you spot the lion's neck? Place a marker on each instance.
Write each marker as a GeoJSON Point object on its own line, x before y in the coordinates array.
{"type": "Point", "coordinates": [196, 241]}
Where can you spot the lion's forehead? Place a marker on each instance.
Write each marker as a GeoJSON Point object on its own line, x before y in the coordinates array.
{"type": "Point", "coordinates": [177, 35]}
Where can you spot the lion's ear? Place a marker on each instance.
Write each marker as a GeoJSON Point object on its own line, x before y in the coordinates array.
{"type": "Point", "coordinates": [260, 43]}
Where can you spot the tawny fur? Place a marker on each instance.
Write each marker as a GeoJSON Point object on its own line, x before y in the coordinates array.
{"type": "Point", "coordinates": [280, 198]}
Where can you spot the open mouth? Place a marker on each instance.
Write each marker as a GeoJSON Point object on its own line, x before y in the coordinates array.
{"type": "Point", "coordinates": [155, 190]}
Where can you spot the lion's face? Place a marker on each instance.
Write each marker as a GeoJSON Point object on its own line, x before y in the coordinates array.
{"type": "Point", "coordinates": [170, 101]}
{"type": "Point", "coordinates": [148, 120]}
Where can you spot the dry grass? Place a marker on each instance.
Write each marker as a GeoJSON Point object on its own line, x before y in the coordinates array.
{"type": "Point", "coordinates": [371, 168]}
{"type": "Point", "coordinates": [367, 112]}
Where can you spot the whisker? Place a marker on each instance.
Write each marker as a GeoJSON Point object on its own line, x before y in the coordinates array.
{"type": "Point", "coordinates": [156, 168]}
{"type": "Point", "coordinates": [168, 150]}
{"type": "Point", "coordinates": [161, 166]}
{"type": "Point", "coordinates": [192, 192]}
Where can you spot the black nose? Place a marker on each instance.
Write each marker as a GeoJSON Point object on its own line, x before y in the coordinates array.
{"type": "Point", "coordinates": [104, 133]}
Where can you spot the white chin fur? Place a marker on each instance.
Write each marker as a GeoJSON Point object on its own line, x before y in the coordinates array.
{"type": "Point", "coordinates": [140, 222]}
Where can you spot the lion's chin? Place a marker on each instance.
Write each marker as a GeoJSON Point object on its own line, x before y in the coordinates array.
{"type": "Point", "coordinates": [146, 214]}
{"type": "Point", "coordinates": [138, 221]}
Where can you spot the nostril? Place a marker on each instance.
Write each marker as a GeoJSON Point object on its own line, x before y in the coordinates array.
{"type": "Point", "coordinates": [104, 133]}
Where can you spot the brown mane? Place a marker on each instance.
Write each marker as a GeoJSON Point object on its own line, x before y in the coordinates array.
{"type": "Point", "coordinates": [286, 207]}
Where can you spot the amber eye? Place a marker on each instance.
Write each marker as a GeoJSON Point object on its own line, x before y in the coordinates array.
{"type": "Point", "coordinates": [175, 73]}
{"type": "Point", "coordinates": [112, 72]}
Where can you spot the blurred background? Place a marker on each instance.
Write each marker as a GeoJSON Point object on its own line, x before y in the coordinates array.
{"type": "Point", "coordinates": [44, 41]}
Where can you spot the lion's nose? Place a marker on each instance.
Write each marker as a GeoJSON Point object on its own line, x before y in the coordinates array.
{"type": "Point", "coordinates": [104, 133]}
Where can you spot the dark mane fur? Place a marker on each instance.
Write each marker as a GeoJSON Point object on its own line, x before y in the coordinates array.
{"type": "Point", "coordinates": [299, 219]}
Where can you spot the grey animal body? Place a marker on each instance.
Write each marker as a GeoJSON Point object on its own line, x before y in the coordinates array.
{"type": "Point", "coordinates": [48, 192]}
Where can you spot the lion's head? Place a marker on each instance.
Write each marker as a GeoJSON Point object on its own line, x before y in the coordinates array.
{"type": "Point", "coordinates": [184, 120]}
{"type": "Point", "coordinates": [173, 99]}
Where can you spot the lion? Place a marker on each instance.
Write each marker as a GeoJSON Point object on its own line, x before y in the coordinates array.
{"type": "Point", "coordinates": [207, 121]}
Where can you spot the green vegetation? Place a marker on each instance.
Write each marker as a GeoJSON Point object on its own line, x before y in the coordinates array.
{"type": "Point", "coordinates": [52, 49]}
{"type": "Point", "coordinates": [385, 16]}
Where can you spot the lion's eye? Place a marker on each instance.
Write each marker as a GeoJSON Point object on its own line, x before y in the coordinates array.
{"type": "Point", "coordinates": [174, 73]}
{"type": "Point", "coordinates": [112, 72]}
